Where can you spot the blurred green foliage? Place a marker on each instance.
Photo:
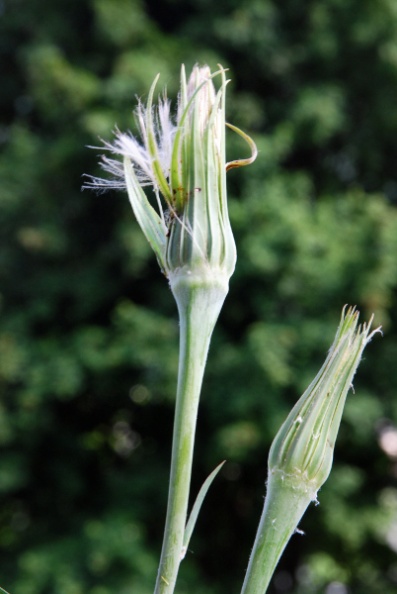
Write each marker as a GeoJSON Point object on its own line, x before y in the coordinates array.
{"type": "Point", "coordinates": [88, 327]}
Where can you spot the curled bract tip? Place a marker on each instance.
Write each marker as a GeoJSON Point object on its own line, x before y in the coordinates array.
{"type": "Point", "coordinates": [251, 144]}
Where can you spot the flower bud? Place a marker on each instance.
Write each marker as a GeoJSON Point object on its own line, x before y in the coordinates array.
{"type": "Point", "coordinates": [185, 164]}
{"type": "Point", "coordinates": [302, 451]}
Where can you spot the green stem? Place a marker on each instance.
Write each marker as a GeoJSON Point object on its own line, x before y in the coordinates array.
{"type": "Point", "coordinates": [286, 501]}
{"type": "Point", "coordinates": [199, 304]}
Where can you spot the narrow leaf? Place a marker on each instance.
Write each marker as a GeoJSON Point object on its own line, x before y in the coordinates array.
{"type": "Point", "coordinates": [196, 508]}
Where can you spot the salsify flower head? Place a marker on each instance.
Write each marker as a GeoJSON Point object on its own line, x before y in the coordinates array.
{"type": "Point", "coordinates": [302, 451]}
{"type": "Point", "coordinates": [184, 162]}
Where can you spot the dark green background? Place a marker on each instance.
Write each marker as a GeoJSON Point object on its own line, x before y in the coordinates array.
{"type": "Point", "coordinates": [88, 326]}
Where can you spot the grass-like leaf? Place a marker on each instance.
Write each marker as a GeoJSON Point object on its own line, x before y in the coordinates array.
{"type": "Point", "coordinates": [197, 506]}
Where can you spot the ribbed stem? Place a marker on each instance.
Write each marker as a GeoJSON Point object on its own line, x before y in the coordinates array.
{"type": "Point", "coordinates": [199, 305]}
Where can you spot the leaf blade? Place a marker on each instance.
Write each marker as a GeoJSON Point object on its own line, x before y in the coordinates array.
{"type": "Point", "coordinates": [196, 508]}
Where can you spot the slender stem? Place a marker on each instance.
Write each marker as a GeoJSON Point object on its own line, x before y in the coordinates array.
{"type": "Point", "coordinates": [286, 502]}
{"type": "Point", "coordinates": [198, 307]}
